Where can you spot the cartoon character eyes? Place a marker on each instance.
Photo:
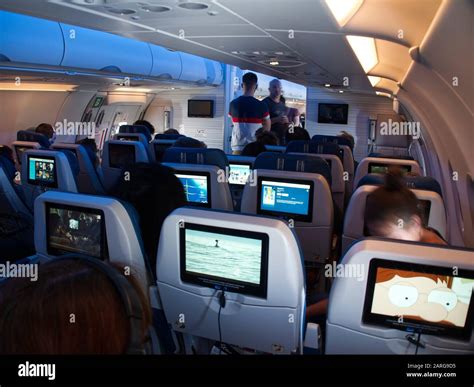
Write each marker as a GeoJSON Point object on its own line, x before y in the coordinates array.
{"type": "Point", "coordinates": [403, 295]}
{"type": "Point", "coordinates": [447, 299]}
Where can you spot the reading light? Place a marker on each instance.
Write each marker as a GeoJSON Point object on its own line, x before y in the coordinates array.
{"type": "Point", "coordinates": [24, 86]}
{"type": "Point", "coordinates": [343, 10]}
{"type": "Point", "coordinates": [341, 91]}
{"type": "Point", "coordinates": [373, 80]}
{"type": "Point", "coordinates": [327, 85]}
{"type": "Point", "coordinates": [365, 50]}
{"type": "Point", "coordinates": [274, 63]}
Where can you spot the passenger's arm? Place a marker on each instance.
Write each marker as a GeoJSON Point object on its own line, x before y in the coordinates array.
{"type": "Point", "coordinates": [266, 124]}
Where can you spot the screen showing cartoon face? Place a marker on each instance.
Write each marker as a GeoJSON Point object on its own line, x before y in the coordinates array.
{"type": "Point", "coordinates": [422, 296]}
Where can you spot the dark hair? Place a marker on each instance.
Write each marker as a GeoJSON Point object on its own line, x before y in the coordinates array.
{"type": "Point", "coordinates": [267, 138]}
{"type": "Point", "coordinates": [349, 137]}
{"type": "Point", "coordinates": [35, 316]}
{"type": "Point", "coordinates": [7, 152]}
{"type": "Point", "coordinates": [188, 142]}
{"type": "Point", "coordinates": [389, 204]}
{"type": "Point", "coordinates": [170, 131]}
{"type": "Point", "coordinates": [154, 191]}
{"type": "Point", "coordinates": [253, 149]}
{"type": "Point", "coordinates": [91, 148]}
{"type": "Point", "coordinates": [146, 124]}
{"type": "Point", "coordinates": [297, 133]}
{"type": "Point", "coordinates": [280, 131]}
{"type": "Point", "coordinates": [45, 129]}
{"type": "Point", "coordinates": [250, 79]}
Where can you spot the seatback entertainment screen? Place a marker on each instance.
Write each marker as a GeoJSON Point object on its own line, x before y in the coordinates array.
{"type": "Point", "coordinates": [42, 171]}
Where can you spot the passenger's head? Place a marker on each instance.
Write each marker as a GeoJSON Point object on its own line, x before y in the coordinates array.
{"type": "Point", "coordinates": [146, 124]}
{"type": "Point", "coordinates": [45, 129]}
{"type": "Point", "coordinates": [253, 149]}
{"type": "Point", "coordinates": [297, 133]}
{"type": "Point", "coordinates": [6, 151]}
{"type": "Point", "coordinates": [392, 211]}
{"type": "Point", "coordinates": [280, 129]}
{"type": "Point", "coordinates": [188, 142]}
{"type": "Point", "coordinates": [275, 88]}
{"type": "Point", "coordinates": [171, 131]}
{"type": "Point", "coordinates": [347, 136]}
{"type": "Point", "coordinates": [91, 148]}
{"type": "Point", "coordinates": [267, 138]}
{"type": "Point", "coordinates": [249, 83]}
{"type": "Point", "coordinates": [154, 191]}
{"type": "Point", "coordinates": [72, 308]}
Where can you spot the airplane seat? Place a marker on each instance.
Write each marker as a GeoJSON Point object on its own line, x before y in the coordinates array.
{"type": "Point", "coordinates": [295, 163]}
{"type": "Point", "coordinates": [28, 139]}
{"type": "Point", "coordinates": [99, 227]}
{"type": "Point", "coordinates": [243, 292]}
{"type": "Point", "coordinates": [163, 136]}
{"type": "Point", "coordinates": [380, 165]}
{"type": "Point", "coordinates": [138, 129]}
{"type": "Point", "coordinates": [383, 280]}
{"type": "Point", "coordinates": [431, 206]}
{"type": "Point", "coordinates": [44, 170]}
{"type": "Point", "coordinates": [209, 156]}
{"type": "Point", "coordinates": [88, 180]}
{"type": "Point", "coordinates": [424, 183]}
{"type": "Point", "coordinates": [313, 225]}
{"type": "Point", "coordinates": [117, 155]}
{"type": "Point", "coordinates": [204, 185]}
{"type": "Point", "coordinates": [158, 148]}
{"type": "Point", "coordinates": [238, 167]}
{"type": "Point", "coordinates": [334, 139]}
{"type": "Point", "coordinates": [399, 157]}
{"type": "Point", "coordinates": [140, 137]}
{"type": "Point", "coordinates": [275, 148]}
{"type": "Point", "coordinates": [30, 136]}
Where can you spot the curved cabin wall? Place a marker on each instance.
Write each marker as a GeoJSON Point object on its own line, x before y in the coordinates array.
{"type": "Point", "coordinates": [26, 39]}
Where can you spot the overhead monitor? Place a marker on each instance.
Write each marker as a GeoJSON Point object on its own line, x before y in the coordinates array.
{"type": "Point", "coordinates": [287, 198]}
{"type": "Point", "coordinates": [332, 113]}
{"type": "Point", "coordinates": [121, 155]}
{"type": "Point", "coordinates": [419, 298]}
{"type": "Point", "coordinates": [383, 168]}
{"type": "Point", "coordinates": [71, 229]}
{"type": "Point", "coordinates": [222, 258]}
{"type": "Point", "coordinates": [197, 187]}
{"type": "Point", "coordinates": [42, 171]}
{"type": "Point", "coordinates": [239, 173]}
{"type": "Point", "coordinates": [201, 108]}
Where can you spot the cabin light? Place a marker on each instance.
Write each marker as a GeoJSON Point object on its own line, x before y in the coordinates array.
{"type": "Point", "coordinates": [344, 10]}
{"type": "Point", "coordinates": [341, 91]}
{"type": "Point", "coordinates": [365, 50]}
{"type": "Point", "coordinates": [373, 80]}
{"type": "Point", "coordinates": [327, 85]}
{"type": "Point", "coordinates": [382, 94]}
{"type": "Point", "coordinates": [24, 86]}
{"type": "Point", "coordinates": [274, 63]}
{"type": "Point", "coordinates": [133, 90]}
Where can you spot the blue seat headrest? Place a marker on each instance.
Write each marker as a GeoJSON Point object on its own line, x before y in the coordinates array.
{"type": "Point", "coordinates": [162, 136]}
{"type": "Point", "coordinates": [424, 183]}
{"type": "Point", "coordinates": [8, 167]}
{"type": "Point", "coordinates": [136, 129]}
{"type": "Point", "coordinates": [334, 139]}
{"type": "Point", "coordinates": [292, 162]}
{"type": "Point", "coordinates": [29, 136]}
{"type": "Point", "coordinates": [71, 156]}
{"type": "Point", "coordinates": [399, 157]}
{"type": "Point", "coordinates": [196, 156]}
{"type": "Point", "coordinates": [301, 146]}
{"type": "Point", "coordinates": [92, 155]}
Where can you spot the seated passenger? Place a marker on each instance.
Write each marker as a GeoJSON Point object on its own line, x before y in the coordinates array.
{"type": "Point", "coordinates": [392, 212]}
{"type": "Point", "coordinates": [154, 191]}
{"type": "Point", "coordinates": [147, 125]}
{"type": "Point", "coordinates": [349, 137]}
{"type": "Point", "coordinates": [47, 130]}
{"type": "Point", "coordinates": [6, 151]}
{"type": "Point", "coordinates": [297, 133]}
{"type": "Point", "coordinates": [266, 138]}
{"type": "Point", "coordinates": [91, 148]}
{"type": "Point", "coordinates": [170, 131]}
{"type": "Point", "coordinates": [253, 149]}
{"type": "Point", "coordinates": [188, 142]}
{"type": "Point", "coordinates": [72, 308]}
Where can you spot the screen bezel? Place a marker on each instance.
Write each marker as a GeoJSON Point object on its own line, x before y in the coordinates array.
{"type": "Point", "coordinates": [410, 325]}
{"type": "Point", "coordinates": [250, 165]}
{"type": "Point", "coordinates": [211, 108]}
{"type": "Point", "coordinates": [345, 106]}
{"type": "Point", "coordinates": [124, 144]}
{"type": "Point", "coordinates": [385, 165]}
{"type": "Point", "coordinates": [104, 252]}
{"type": "Point", "coordinates": [221, 283]}
{"type": "Point", "coordinates": [297, 217]}
{"type": "Point", "coordinates": [53, 184]}
{"type": "Point", "coordinates": [208, 181]}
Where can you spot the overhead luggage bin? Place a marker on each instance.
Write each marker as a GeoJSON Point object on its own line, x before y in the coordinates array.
{"type": "Point", "coordinates": [101, 51]}
{"type": "Point", "coordinates": [166, 63]}
{"type": "Point", "coordinates": [194, 69]}
{"type": "Point", "coordinates": [28, 39]}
